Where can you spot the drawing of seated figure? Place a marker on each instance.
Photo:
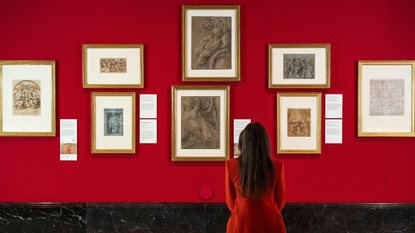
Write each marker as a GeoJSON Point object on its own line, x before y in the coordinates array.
{"type": "Point", "coordinates": [200, 127]}
{"type": "Point", "coordinates": [213, 51]}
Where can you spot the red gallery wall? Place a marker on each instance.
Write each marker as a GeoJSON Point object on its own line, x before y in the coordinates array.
{"type": "Point", "coordinates": [359, 170]}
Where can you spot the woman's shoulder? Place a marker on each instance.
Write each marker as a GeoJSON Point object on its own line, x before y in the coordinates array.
{"type": "Point", "coordinates": [277, 164]}
{"type": "Point", "coordinates": [232, 163]}
{"type": "Point", "coordinates": [232, 166]}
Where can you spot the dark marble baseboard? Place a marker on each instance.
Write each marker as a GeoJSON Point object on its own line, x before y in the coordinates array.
{"type": "Point", "coordinates": [198, 217]}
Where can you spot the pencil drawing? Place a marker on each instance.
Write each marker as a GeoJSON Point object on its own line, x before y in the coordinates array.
{"type": "Point", "coordinates": [200, 122]}
{"type": "Point", "coordinates": [113, 122]}
{"type": "Point", "coordinates": [387, 97]}
{"type": "Point", "coordinates": [298, 122]}
{"type": "Point", "coordinates": [299, 66]}
{"type": "Point", "coordinates": [211, 43]}
{"type": "Point", "coordinates": [113, 65]}
{"type": "Point", "coordinates": [26, 98]}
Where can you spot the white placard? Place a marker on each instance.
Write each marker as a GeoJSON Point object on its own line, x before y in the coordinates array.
{"type": "Point", "coordinates": [334, 106]}
{"type": "Point", "coordinates": [69, 140]}
{"type": "Point", "coordinates": [148, 106]}
{"type": "Point", "coordinates": [148, 131]}
{"type": "Point", "coordinates": [238, 126]}
{"type": "Point", "coordinates": [334, 131]}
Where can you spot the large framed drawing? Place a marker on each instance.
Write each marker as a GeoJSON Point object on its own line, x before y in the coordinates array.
{"type": "Point", "coordinates": [200, 123]}
{"type": "Point", "coordinates": [27, 99]}
{"type": "Point", "coordinates": [386, 99]}
{"type": "Point", "coordinates": [299, 123]}
{"type": "Point", "coordinates": [113, 65]}
{"type": "Point", "coordinates": [113, 123]}
{"type": "Point", "coordinates": [211, 44]}
{"type": "Point", "coordinates": [299, 66]}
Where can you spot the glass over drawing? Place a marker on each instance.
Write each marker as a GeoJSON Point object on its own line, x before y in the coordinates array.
{"type": "Point", "coordinates": [113, 122]}
{"type": "Point", "coordinates": [200, 122]}
{"type": "Point", "coordinates": [299, 66]}
{"type": "Point", "coordinates": [113, 65]}
{"type": "Point", "coordinates": [387, 97]}
{"type": "Point", "coordinates": [26, 98]}
{"type": "Point", "coordinates": [298, 122]}
{"type": "Point", "coordinates": [211, 43]}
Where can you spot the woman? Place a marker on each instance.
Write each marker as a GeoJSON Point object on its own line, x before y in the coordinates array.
{"type": "Point", "coordinates": [255, 185]}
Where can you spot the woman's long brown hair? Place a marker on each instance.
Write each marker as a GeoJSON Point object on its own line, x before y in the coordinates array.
{"type": "Point", "coordinates": [256, 169]}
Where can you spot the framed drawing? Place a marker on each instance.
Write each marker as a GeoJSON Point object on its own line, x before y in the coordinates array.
{"type": "Point", "coordinates": [299, 66]}
{"type": "Point", "coordinates": [27, 103]}
{"type": "Point", "coordinates": [113, 65]}
{"type": "Point", "coordinates": [200, 123]}
{"type": "Point", "coordinates": [211, 47]}
{"type": "Point", "coordinates": [386, 99]}
{"type": "Point", "coordinates": [299, 123]}
{"type": "Point", "coordinates": [113, 123]}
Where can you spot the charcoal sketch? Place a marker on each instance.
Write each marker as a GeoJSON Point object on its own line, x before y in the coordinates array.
{"type": "Point", "coordinates": [68, 148]}
{"type": "Point", "coordinates": [299, 66]}
{"type": "Point", "coordinates": [26, 98]}
{"type": "Point", "coordinates": [113, 65]}
{"type": "Point", "coordinates": [387, 97]}
{"type": "Point", "coordinates": [298, 122]}
{"type": "Point", "coordinates": [113, 122]}
{"type": "Point", "coordinates": [200, 122]}
{"type": "Point", "coordinates": [211, 43]}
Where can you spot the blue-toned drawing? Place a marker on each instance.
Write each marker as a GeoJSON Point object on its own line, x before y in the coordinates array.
{"type": "Point", "coordinates": [113, 122]}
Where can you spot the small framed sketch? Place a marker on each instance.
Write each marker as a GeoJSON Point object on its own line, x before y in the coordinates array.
{"type": "Point", "coordinates": [113, 65]}
{"type": "Point", "coordinates": [113, 123]}
{"type": "Point", "coordinates": [27, 104]}
{"type": "Point", "coordinates": [200, 123]}
{"type": "Point", "coordinates": [298, 123]}
{"type": "Point", "coordinates": [386, 99]}
{"type": "Point", "coordinates": [211, 47]}
{"type": "Point", "coordinates": [299, 66]}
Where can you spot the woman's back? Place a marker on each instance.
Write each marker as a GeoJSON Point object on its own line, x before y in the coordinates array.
{"type": "Point", "coordinates": [255, 215]}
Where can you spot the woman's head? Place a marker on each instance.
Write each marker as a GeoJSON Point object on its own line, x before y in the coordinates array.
{"type": "Point", "coordinates": [256, 169]}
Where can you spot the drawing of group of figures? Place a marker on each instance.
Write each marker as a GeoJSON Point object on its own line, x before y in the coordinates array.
{"type": "Point", "coordinates": [211, 42]}
{"type": "Point", "coordinates": [200, 122]}
{"type": "Point", "coordinates": [26, 98]}
{"type": "Point", "coordinates": [113, 65]}
{"type": "Point", "coordinates": [299, 66]}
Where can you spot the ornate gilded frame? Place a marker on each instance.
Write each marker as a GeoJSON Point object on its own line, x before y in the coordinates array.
{"type": "Point", "coordinates": [297, 46]}
{"type": "Point", "coordinates": [174, 111]}
{"type": "Point", "coordinates": [360, 91]}
{"type": "Point", "coordinates": [185, 9]}
{"type": "Point", "coordinates": [85, 48]}
{"type": "Point", "coordinates": [318, 123]}
{"type": "Point", "coordinates": [94, 150]}
{"type": "Point", "coordinates": [52, 133]}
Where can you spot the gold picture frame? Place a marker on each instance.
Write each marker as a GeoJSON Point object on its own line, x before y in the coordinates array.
{"type": "Point", "coordinates": [200, 123]}
{"type": "Point", "coordinates": [113, 123]}
{"type": "Point", "coordinates": [27, 89]}
{"type": "Point", "coordinates": [113, 65]}
{"type": "Point", "coordinates": [299, 123]}
{"type": "Point", "coordinates": [299, 66]}
{"type": "Point", "coordinates": [204, 56]}
{"type": "Point", "coordinates": [386, 99]}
